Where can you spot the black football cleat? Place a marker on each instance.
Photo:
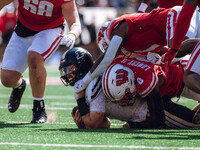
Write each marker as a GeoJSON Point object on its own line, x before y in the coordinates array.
{"type": "Point", "coordinates": [15, 98]}
{"type": "Point", "coordinates": [196, 118]}
{"type": "Point", "coordinates": [39, 113]}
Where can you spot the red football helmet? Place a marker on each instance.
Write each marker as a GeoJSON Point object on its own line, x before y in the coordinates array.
{"type": "Point", "coordinates": [118, 83]}
{"type": "Point", "coordinates": [101, 40]}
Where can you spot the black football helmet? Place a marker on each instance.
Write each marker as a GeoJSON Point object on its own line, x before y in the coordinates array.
{"type": "Point", "coordinates": [74, 65]}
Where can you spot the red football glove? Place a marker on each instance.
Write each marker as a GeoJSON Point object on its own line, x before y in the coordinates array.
{"type": "Point", "coordinates": [169, 55]}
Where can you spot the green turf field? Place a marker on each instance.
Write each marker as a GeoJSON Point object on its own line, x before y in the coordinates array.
{"type": "Point", "coordinates": [62, 133]}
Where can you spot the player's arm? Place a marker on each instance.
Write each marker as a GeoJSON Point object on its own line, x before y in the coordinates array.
{"type": "Point", "coordinates": [96, 120]}
{"type": "Point", "coordinates": [117, 39]}
{"type": "Point", "coordinates": [4, 3]}
{"type": "Point", "coordinates": [71, 15]}
{"type": "Point", "coordinates": [91, 119]}
{"type": "Point", "coordinates": [181, 29]}
{"type": "Point", "coordinates": [143, 5]}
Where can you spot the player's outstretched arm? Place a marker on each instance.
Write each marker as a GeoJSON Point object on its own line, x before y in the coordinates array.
{"type": "Point", "coordinates": [71, 15]}
{"type": "Point", "coordinates": [4, 3]}
{"type": "Point", "coordinates": [181, 28]}
{"type": "Point", "coordinates": [114, 48]}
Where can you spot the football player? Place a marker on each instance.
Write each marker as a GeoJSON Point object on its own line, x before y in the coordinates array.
{"type": "Point", "coordinates": [135, 33]}
{"type": "Point", "coordinates": [37, 35]}
{"type": "Point", "coordinates": [95, 109]}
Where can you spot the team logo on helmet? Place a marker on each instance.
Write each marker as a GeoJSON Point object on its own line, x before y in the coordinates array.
{"type": "Point", "coordinates": [118, 83]}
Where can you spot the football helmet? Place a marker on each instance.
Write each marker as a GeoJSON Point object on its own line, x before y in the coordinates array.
{"type": "Point", "coordinates": [74, 65]}
{"type": "Point", "coordinates": [118, 83]}
{"type": "Point", "coordinates": [102, 39]}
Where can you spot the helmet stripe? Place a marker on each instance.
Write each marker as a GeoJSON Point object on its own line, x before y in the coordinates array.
{"type": "Point", "coordinates": [105, 81]}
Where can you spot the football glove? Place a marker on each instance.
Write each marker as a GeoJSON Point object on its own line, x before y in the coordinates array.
{"type": "Point", "coordinates": [154, 58]}
{"type": "Point", "coordinates": [169, 55]}
{"type": "Point", "coordinates": [79, 86]}
{"type": "Point", "coordinates": [83, 83]}
{"type": "Point", "coordinates": [68, 40]}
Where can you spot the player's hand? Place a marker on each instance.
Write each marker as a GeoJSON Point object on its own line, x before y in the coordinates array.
{"type": "Point", "coordinates": [154, 58]}
{"type": "Point", "coordinates": [79, 86]}
{"type": "Point", "coordinates": [169, 55]}
{"type": "Point", "coordinates": [69, 40]}
{"type": "Point", "coordinates": [77, 118]}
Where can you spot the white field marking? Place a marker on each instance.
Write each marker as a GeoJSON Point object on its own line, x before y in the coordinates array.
{"type": "Point", "coordinates": [54, 123]}
{"type": "Point", "coordinates": [63, 104]}
{"type": "Point", "coordinates": [46, 97]}
{"type": "Point", "coordinates": [99, 146]}
{"type": "Point", "coordinates": [24, 106]}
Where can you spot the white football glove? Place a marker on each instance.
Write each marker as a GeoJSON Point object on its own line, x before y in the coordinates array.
{"type": "Point", "coordinates": [69, 40]}
{"type": "Point", "coordinates": [79, 86]}
{"type": "Point", "coordinates": [154, 58]}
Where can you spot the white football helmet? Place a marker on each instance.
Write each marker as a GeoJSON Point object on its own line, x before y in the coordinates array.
{"type": "Point", "coordinates": [118, 83]}
{"type": "Point", "coordinates": [102, 39]}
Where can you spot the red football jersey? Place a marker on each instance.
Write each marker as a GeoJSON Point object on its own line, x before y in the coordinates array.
{"type": "Point", "coordinates": [144, 74]}
{"type": "Point", "coordinates": [169, 3]}
{"type": "Point", "coordinates": [146, 31]}
{"type": "Point", "coordinates": [39, 15]}
{"type": "Point", "coordinates": [173, 78]}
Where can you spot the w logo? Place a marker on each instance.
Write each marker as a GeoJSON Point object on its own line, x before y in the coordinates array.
{"type": "Point", "coordinates": [121, 77]}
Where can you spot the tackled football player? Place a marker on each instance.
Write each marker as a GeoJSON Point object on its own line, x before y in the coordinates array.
{"type": "Point", "coordinates": [95, 108]}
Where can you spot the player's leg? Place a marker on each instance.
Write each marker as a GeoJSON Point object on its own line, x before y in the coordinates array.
{"type": "Point", "coordinates": [43, 46]}
{"type": "Point", "coordinates": [178, 116]}
{"type": "Point", "coordinates": [192, 73]}
{"type": "Point", "coordinates": [13, 65]}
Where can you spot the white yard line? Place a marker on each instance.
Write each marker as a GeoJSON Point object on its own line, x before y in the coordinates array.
{"type": "Point", "coordinates": [46, 97]}
{"type": "Point", "coordinates": [30, 107]}
{"type": "Point", "coordinates": [54, 123]}
{"type": "Point", "coordinates": [99, 146]}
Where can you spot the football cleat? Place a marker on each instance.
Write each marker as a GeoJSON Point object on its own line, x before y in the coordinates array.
{"type": "Point", "coordinates": [196, 118]}
{"type": "Point", "coordinates": [39, 113]}
{"type": "Point", "coordinates": [15, 98]}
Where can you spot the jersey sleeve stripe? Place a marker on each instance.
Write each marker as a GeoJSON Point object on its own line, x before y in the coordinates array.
{"type": "Point", "coordinates": [97, 88]}
{"type": "Point", "coordinates": [151, 86]}
{"type": "Point", "coordinates": [194, 56]}
{"type": "Point", "coordinates": [171, 19]}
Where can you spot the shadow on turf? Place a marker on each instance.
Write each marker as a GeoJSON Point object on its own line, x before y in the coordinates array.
{"type": "Point", "coordinates": [137, 131]}
{"type": "Point", "coordinates": [166, 133]}
{"type": "Point", "coordinates": [15, 125]}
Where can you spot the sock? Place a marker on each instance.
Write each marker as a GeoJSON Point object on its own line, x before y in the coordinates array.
{"type": "Point", "coordinates": [182, 26]}
{"type": "Point", "coordinates": [38, 99]}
